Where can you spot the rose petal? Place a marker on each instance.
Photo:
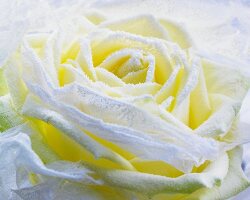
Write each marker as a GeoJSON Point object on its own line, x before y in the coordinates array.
{"type": "Point", "coordinates": [178, 33]}
{"type": "Point", "coordinates": [8, 116]}
{"type": "Point", "coordinates": [144, 25]}
{"type": "Point", "coordinates": [150, 185]}
{"type": "Point", "coordinates": [234, 182]}
{"type": "Point", "coordinates": [33, 109]}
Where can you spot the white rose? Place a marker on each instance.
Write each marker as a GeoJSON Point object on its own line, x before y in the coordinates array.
{"type": "Point", "coordinates": [131, 99]}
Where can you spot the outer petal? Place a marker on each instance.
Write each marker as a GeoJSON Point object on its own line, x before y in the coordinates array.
{"type": "Point", "coordinates": [177, 33]}
{"type": "Point", "coordinates": [223, 108]}
{"type": "Point", "coordinates": [19, 145]}
{"type": "Point", "coordinates": [119, 133]}
{"type": "Point", "coordinates": [234, 182]}
{"type": "Point", "coordinates": [10, 37]}
{"type": "Point", "coordinates": [150, 185]}
{"type": "Point", "coordinates": [33, 109]}
{"type": "Point", "coordinates": [3, 85]}
{"type": "Point", "coordinates": [16, 87]}
{"type": "Point", "coordinates": [123, 123]}
{"type": "Point", "coordinates": [56, 189]}
{"type": "Point", "coordinates": [8, 116]}
{"type": "Point", "coordinates": [144, 25]}
{"type": "Point", "coordinates": [18, 160]}
{"type": "Point", "coordinates": [234, 83]}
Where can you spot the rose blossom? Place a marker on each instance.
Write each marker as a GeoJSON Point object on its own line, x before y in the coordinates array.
{"type": "Point", "coordinates": [131, 107]}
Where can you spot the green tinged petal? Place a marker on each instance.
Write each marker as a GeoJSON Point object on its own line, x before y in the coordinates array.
{"type": "Point", "coordinates": [150, 185]}
{"type": "Point", "coordinates": [3, 85]}
{"type": "Point", "coordinates": [234, 182]}
{"type": "Point", "coordinates": [16, 86]}
{"type": "Point", "coordinates": [8, 116]}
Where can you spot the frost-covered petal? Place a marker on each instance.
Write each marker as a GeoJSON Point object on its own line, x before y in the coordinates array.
{"type": "Point", "coordinates": [177, 33]}
{"type": "Point", "coordinates": [109, 78]}
{"type": "Point", "coordinates": [61, 189]}
{"type": "Point", "coordinates": [32, 109]}
{"type": "Point", "coordinates": [120, 134]}
{"type": "Point", "coordinates": [20, 147]}
{"type": "Point", "coordinates": [105, 42]}
{"type": "Point", "coordinates": [223, 108]}
{"type": "Point", "coordinates": [149, 184]}
{"type": "Point", "coordinates": [118, 94]}
{"type": "Point", "coordinates": [8, 115]}
{"type": "Point", "coordinates": [144, 25]}
{"type": "Point", "coordinates": [200, 106]}
{"type": "Point", "coordinates": [16, 86]}
{"type": "Point", "coordinates": [84, 59]}
{"type": "Point", "coordinates": [10, 38]}
{"type": "Point", "coordinates": [234, 182]}
{"type": "Point", "coordinates": [18, 161]}
{"type": "Point", "coordinates": [233, 84]}
{"type": "Point", "coordinates": [3, 84]}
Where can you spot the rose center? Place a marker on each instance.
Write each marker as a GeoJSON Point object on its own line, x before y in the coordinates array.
{"type": "Point", "coordinates": [130, 65]}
